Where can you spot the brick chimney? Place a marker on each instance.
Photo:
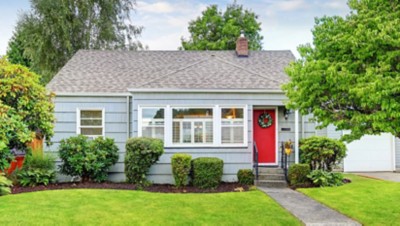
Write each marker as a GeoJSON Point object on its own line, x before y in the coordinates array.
{"type": "Point", "coordinates": [242, 46]}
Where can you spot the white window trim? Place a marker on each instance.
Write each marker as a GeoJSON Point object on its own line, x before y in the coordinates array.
{"type": "Point", "coordinates": [217, 139]}
{"type": "Point", "coordinates": [78, 121]}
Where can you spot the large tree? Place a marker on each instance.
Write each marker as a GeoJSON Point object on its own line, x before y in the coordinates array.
{"type": "Point", "coordinates": [350, 76]}
{"type": "Point", "coordinates": [55, 30]}
{"type": "Point", "coordinates": [216, 30]}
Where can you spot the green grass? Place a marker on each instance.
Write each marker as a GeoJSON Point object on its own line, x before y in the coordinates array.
{"type": "Point", "coordinates": [369, 201]}
{"type": "Point", "coordinates": [116, 207]}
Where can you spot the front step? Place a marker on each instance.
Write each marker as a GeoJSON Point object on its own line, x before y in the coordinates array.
{"type": "Point", "coordinates": [271, 183]}
{"type": "Point", "coordinates": [263, 170]}
{"type": "Point", "coordinates": [271, 178]}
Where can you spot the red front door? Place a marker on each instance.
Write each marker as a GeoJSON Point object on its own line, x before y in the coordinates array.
{"type": "Point", "coordinates": [265, 138]}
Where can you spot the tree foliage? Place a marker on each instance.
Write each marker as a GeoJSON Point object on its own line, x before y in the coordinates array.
{"type": "Point", "coordinates": [25, 107]}
{"type": "Point", "coordinates": [216, 30]}
{"type": "Point", "coordinates": [55, 30]}
{"type": "Point", "coordinates": [350, 76]}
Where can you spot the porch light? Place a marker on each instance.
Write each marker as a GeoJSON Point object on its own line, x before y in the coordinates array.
{"type": "Point", "coordinates": [286, 113]}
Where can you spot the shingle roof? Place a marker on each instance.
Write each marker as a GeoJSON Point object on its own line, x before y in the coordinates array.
{"type": "Point", "coordinates": [95, 71]}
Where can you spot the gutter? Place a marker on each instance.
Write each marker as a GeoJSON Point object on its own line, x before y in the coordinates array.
{"type": "Point", "coordinates": [204, 91]}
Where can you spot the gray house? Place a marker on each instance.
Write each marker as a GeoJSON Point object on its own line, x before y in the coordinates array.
{"type": "Point", "coordinates": [204, 103]}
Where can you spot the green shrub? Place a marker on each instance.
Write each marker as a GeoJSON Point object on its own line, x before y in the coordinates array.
{"type": "Point", "coordinates": [181, 164]}
{"type": "Point", "coordinates": [245, 176]}
{"type": "Point", "coordinates": [297, 174]}
{"type": "Point", "coordinates": [207, 172]}
{"type": "Point", "coordinates": [326, 179]}
{"type": "Point", "coordinates": [5, 185]}
{"type": "Point", "coordinates": [5, 156]}
{"type": "Point", "coordinates": [88, 159]}
{"type": "Point", "coordinates": [37, 169]}
{"type": "Point", "coordinates": [35, 177]}
{"type": "Point", "coordinates": [141, 154]}
{"type": "Point", "coordinates": [322, 153]}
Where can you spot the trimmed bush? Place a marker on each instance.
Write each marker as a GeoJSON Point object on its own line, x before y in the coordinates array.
{"type": "Point", "coordinates": [207, 172]}
{"type": "Point", "coordinates": [181, 164]}
{"type": "Point", "coordinates": [37, 170]}
{"type": "Point", "coordinates": [326, 179]}
{"type": "Point", "coordinates": [141, 154]}
{"type": "Point", "coordinates": [297, 174]}
{"type": "Point", "coordinates": [88, 159]}
{"type": "Point", "coordinates": [322, 153]}
{"type": "Point", "coordinates": [5, 185]}
{"type": "Point", "coordinates": [245, 176]}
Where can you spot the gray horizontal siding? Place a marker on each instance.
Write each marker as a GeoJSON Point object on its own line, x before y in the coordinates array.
{"type": "Point", "coordinates": [115, 118]}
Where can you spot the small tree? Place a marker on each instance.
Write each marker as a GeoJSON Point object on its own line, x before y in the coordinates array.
{"type": "Point", "coordinates": [26, 109]}
{"type": "Point", "coordinates": [322, 153]}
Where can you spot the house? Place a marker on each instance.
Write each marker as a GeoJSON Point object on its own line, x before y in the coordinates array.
{"type": "Point", "coordinates": [204, 103]}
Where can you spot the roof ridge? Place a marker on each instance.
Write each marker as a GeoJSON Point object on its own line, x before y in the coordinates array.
{"type": "Point", "coordinates": [245, 69]}
{"type": "Point", "coordinates": [173, 72]}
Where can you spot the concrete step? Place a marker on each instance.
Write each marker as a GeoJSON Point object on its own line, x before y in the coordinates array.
{"type": "Point", "coordinates": [280, 176]}
{"type": "Point", "coordinates": [271, 183]}
{"type": "Point", "coordinates": [262, 170]}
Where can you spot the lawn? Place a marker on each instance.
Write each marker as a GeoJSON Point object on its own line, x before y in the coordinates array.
{"type": "Point", "coordinates": [117, 207]}
{"type": "Point", "coordinates": [369, 201]}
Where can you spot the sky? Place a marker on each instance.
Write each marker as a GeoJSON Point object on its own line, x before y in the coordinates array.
{"type": "Point", "coordinates": [285, 23]}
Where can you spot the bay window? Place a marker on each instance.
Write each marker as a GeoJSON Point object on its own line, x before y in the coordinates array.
{"type": "Point", "coordinates": [181, 126]}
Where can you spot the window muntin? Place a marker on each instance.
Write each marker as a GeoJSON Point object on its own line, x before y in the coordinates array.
{"type": "Point", "coordinates": [153, 120]}
{"type": "Point", "coordinates": [232, 126]}
{"type": "Point", "coordinates": [192, 125]}
{"type": "Point", "coordinates": [91, 123]}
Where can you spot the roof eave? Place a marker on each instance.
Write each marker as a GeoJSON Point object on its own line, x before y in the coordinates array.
{"type": "Point", "coordinates": [155, 90]}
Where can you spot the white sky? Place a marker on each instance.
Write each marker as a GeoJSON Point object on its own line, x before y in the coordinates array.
{"type": "Point", "coordinates": [285, 23]}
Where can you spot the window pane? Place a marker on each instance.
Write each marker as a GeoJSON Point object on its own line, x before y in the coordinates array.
{"type": "Point", "coordinates": [91, 114]}
{"type": "Point", "coordinates": [232, 120]}
{"type": "Point", "coordinates": [209, 132]}
{"type": "Point", "coordinates": [187, 132]}
{"type": "Point", "coordinates": [232, 113]}
{"type": "Point", "coordinates": [176, 134]}
{"type": "Point", "coordinates": [232, 135]}
{"type": "Point", "coordinates": [198, 132]}
{"type": "Point", "coordinates": [92, 131]}
{"type": "Point", "coordinates": [189, 113]}
{"type": "Point", "coordinates": [153, 122]}
{"type": "Point", "coordinates": [154, 132]}
{"type": "Point", "coordinates": [91, 122]}
{"type": "Point", "coordinates": [153, 113]}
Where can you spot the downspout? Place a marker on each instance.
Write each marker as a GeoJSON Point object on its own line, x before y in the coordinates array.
{"type": "Point", "coordinates": [296, 136]}
{"type": "Point", "coordinates": [127, 118]}
{"type": "Point", "coordinates": [303, 133]}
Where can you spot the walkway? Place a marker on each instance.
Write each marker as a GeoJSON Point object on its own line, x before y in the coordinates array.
{"type": "Point", "coordinates": [309, 211]}
{"type": "Point", "coordinates": [390, 176]}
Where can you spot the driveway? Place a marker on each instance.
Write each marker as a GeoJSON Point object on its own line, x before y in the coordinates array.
{"type": "Point", "coordinates": [390, 176]}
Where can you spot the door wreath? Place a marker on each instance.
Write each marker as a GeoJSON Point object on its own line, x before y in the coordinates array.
{"type": "Point", "coordinates": [265, 120]}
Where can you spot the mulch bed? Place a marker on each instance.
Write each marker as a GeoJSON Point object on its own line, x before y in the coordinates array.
{"type": "Point", "coordinates": [161, 188]}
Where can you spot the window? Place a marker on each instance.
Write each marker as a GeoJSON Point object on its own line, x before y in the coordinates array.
{"type": "Point", "coordinates": [153, 122]}
{"type": "Point", "coordinates": [232, 126]}
{"type": "Point", "coordinates": [90, 122]}
{"type": "Point", "coordinates": [192, 125]}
